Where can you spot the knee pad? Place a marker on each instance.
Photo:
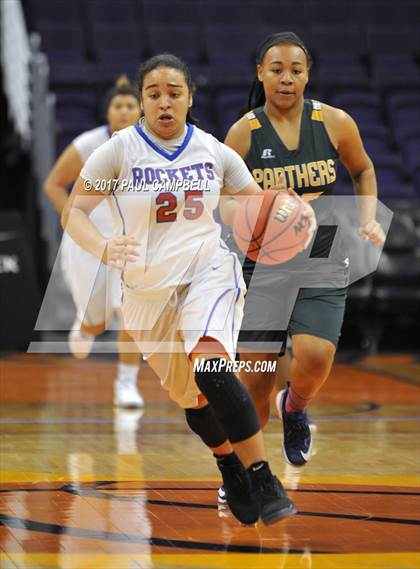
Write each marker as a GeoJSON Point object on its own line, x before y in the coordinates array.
{"type": "Point", "coordinates": [204, 423]}
{"type": "Point", "coordinates": [230, 402]}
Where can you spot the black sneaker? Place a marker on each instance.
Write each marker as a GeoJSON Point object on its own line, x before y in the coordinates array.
{"type": "Point", "coordinates": [297, 438]}
{"type": "Point", "coordinates": [272, 499]}
{"type": "Point", "coordinates": [237, 490]}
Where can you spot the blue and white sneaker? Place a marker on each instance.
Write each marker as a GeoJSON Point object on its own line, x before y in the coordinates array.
{"type": "Point", "coordinates": [297, 438]}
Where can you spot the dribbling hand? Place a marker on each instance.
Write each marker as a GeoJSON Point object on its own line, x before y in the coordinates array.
{"type": "Point", "coordinates": [120, 250]}
{"type": "Point", "coordinates": [307, 212]}
{"type": "Point", "coordinates": [372, 231]}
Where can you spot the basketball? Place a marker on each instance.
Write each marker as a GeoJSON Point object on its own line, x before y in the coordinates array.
{"type": "Point", "coordinates": [271, 228]}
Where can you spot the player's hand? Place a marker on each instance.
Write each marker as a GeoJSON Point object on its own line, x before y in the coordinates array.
{"type": "Point", "coordinates": [372, 231]}
{"type": "Point", "coordinates": [120, 250]}
{"type": "Point", "coordinates": [309, 213]}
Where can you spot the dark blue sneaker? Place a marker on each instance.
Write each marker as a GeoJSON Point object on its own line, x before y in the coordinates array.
{"type": "Point", "coordinates": [297, 438]}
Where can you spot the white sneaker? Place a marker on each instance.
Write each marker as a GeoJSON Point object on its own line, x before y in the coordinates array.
{"type": "Point", "coordinates": [80, 345]}
{"type": "Point", "coordinates": [221, 495]}
{"type": "Point", "coordinates": [126, 428]}
{"type": "Point", "coordinates": [223, 510]}
{"type": "Point", "coordinates": [126, 394]}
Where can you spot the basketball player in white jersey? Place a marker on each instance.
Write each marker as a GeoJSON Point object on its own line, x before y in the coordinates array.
{"type": "Point", "coordinates": [96, 289]}
{"type": "Point", "coordinates": [183, 289]}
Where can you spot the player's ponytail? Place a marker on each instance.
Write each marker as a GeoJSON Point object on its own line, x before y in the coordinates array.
{"type": "Point", "coordinates": [256, 96]}
{"type": "Point", "coordinates": [122, 81]}
{"type": "Point", "coordinates": [173, 62]}
{"type": "Point", "coordinates": [122, 86]}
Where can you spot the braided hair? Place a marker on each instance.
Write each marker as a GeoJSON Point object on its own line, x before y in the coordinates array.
{"type": "Point", "coordinates": [256, 96]}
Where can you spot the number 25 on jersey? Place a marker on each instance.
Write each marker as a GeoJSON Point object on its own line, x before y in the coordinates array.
{"type": "Point", "coordinates": [167, 203]}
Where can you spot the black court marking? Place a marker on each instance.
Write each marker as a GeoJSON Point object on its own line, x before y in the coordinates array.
{"type": "Point", "coordinates": [30, 525]}
{"type": "Point", "coordinates": [372, 492]}
{"type": "Point", "coordinates": [363, 492]}
{"type": "Point", "coordinates": [94, 492]}
{"type": "Point", "coordinates": [99, 485]}
{"type": "Point", "coordinates": [366, 518]}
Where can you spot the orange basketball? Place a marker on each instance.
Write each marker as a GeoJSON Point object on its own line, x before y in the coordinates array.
{"type": "Point", "coordinates": [270, 228]}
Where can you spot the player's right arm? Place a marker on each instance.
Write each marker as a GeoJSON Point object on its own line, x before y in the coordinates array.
{"type": "Point", "coordinates": [95, 183]}
{"type": "Point", "coordinates": [65, 170]}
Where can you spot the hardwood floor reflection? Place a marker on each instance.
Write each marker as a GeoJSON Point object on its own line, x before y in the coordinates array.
{"type": "Point", "coordinates": [85, 485]}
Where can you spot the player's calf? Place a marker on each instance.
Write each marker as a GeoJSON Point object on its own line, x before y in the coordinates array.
{"type": "Point", "coordinates": [236, 484]}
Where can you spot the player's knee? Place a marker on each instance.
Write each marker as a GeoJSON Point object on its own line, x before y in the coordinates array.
{"type": "Point", "coordinates": [93, 329]}
{"type": "Point", "coordinates": [230, 401]}
{"type": "Point", "coordinates": [257, 376]}
{"type": "Point", "coordinates": [208, 347]}
{"type": "Point", "coordinates": [124, 335]}
{"type": "Point", "coordinates": [318, 357]}
{"type": "Point", "coordinates": [259, 385]}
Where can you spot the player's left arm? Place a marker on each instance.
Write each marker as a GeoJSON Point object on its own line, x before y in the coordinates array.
{"type": "Point", "coordinates": [346, 136]}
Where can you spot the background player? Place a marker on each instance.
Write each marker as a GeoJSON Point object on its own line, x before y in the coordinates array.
{"type": "Point", "coordinates": [285, 135]}
{"type": "Point", "coordinates": [96, 289]}
{"type": "Point", "coordinates": [171, 255]}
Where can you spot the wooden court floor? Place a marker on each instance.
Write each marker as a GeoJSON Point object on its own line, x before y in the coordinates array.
{"type": "Point", "coordinates": [86, 486]}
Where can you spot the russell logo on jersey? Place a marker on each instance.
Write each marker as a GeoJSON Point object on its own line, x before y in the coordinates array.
{"type": "Point", "coordinates": [267, 153]}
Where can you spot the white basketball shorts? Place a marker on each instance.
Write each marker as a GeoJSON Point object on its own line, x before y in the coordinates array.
{"type": "Point", "coordinates": [167, 325]}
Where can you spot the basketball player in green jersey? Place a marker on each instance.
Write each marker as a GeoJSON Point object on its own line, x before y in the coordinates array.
{"type": "Point", "coordinates": [289, 141]}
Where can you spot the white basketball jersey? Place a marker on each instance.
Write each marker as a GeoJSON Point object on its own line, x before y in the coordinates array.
{"type": "Point", "coordinates": [166, 201]}
{"type": "Point", "coordinates": [85, 144]}
{"type": "Point", "coordinates": [89, 141]}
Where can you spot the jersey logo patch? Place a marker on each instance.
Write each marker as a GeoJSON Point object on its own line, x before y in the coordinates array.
{"type": "Point", "coordinates": [317, 116]}
{"type": "Point", "coordinates": [317, 111]}
{"type": "Point", "coordinates": [267, 153]}
{"type": "Point", "coordinates": [254, 123]}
